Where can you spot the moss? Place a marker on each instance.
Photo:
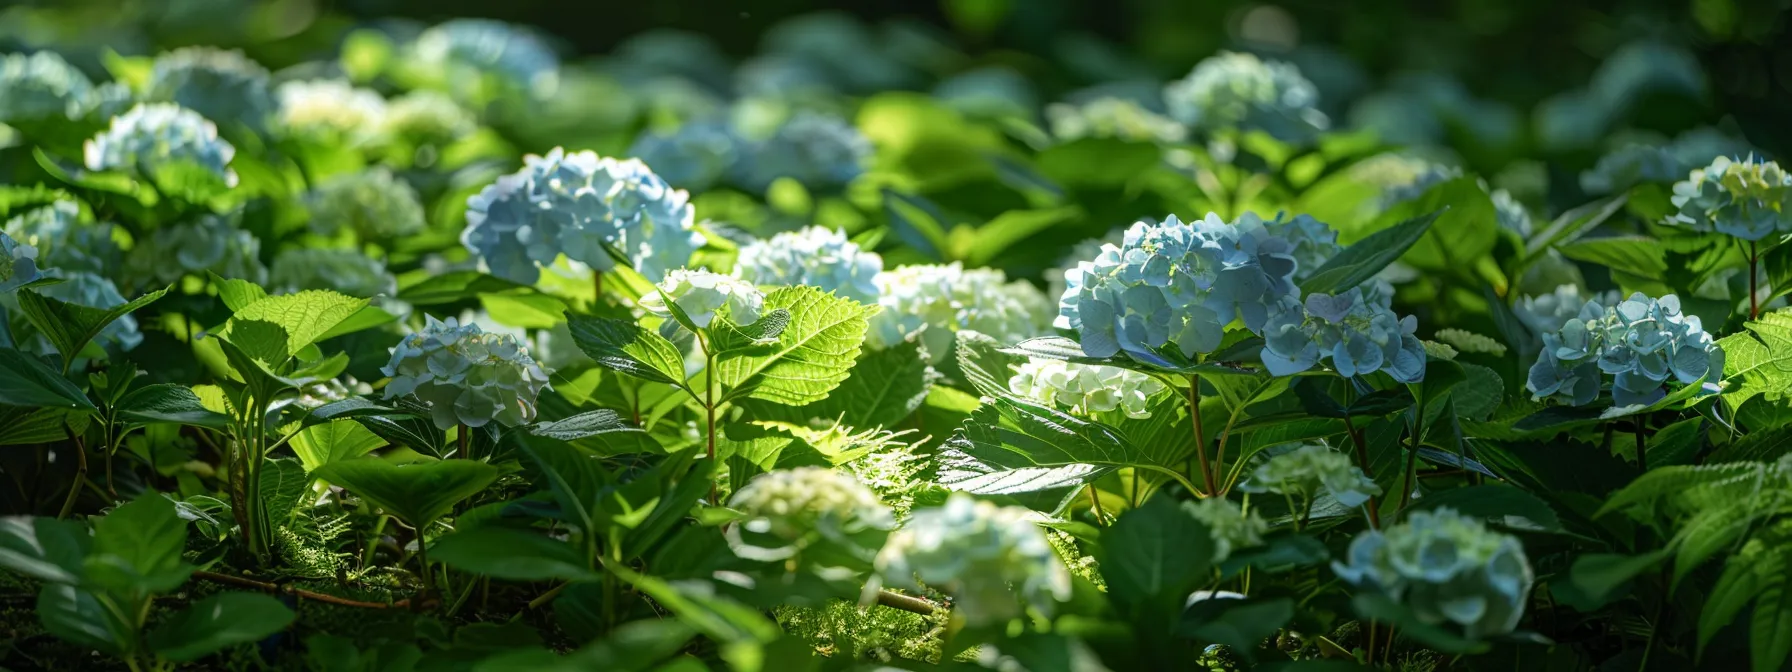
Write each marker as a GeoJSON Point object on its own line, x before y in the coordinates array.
{"type": "Point", "coordinates": [874, 634]}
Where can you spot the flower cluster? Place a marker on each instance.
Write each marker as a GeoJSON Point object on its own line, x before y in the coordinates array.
{"type": "Point", "coordinates": [1228, 524]}
{"type": "Point", "coordinates": [1545, 313]}
{"type": "Point", "coordinates": [1235, 91]}
{"type": "Point", "coordinates": [41, 86]}
{"type": "Point", "coordinates": [1356, 332]}
{"type": "Point", "coordinates": [933, 303]}
{"type": "Point", "coordinates": [820, 151]}
{"type": "Point", "coordinates": [211, 243]}
{"type": "Point", "coordinates": [93, 291]}
{"type": "Point", "coordinates": [1313, 242]}
{"type": "Point", "coordinates": [1664, 163]}
{"type": "Point", "coordinates": [426, 118]}
{"type": "Point", "coordinates": [1310, 469]}
{"type": "Point", "coordinates": [1115, 118]}
{"type": "Point", "coordinates": [1081, 251]}
{"type": "Point", "coordinates": [1749, 199]}
{"type": "Point", "coordinates": [343, 270]}
{"type": "Point", "coordinates": [218, 84]}
{"type": "Point", "coordinates": [1642, 342]}
{"type": "Point", "coordinates": [374, 204]}
{"type": "Point", "coordinates": [1447, 568]}
{"type": "Point", "coordinates": [983, 555]}
{"type": "Point", "coordinates": [815, 256]}
{"type": "Point", "coordinates": [694, 156]}
{"type": "Point", "coordinates": [466, 376]}
{"type": "Point", "coordinates": [63, 242]}
{"type": "Point", "coordinates": [330, 109]}
{"type": "Point", "coordinates": [155, 134]}
{"type": "Point", "coordinates": [1085, 388]}
{"type": "Point", "coordinates": [18, 263]}
{"type": "Point", "coordinates": [787, 506]}
{"type": "Point", "coordinates": [1176, 286]}
{"type": "Point", "coordinates": [700, 295]}
{"type": "Point", "coordinates": [467, 57]}
{"type": "Point", "coordinates": [580, 204]}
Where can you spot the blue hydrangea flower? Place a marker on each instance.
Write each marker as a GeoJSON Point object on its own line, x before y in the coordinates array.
{"type": "Point", "coordinates": [41, 86]}
{"type": "Point", "coordinates": [342, 270]}
{"type": "Point", "coordinates": [816, 256]}
{"type": "Point", "coordinates": [577, 204]}
{"type": "Point", "coordinates": [1748, 199]}
{"type": "Point", "coordinates": [1309, 470]}
{"type": "Point", "coordinates": [1176, 285]}
{"type": "Point", "coordinates": [466, 376]}
{"type": "Point", "coordinates": [63, 242]}
{"type": "Point", "coordinates": [1083, 250]}
{"type": "Point", "coordinates": [932, 303]}
{"type": "Point", "coordinates": [1234, 91]}
{"type": "Point", "coordinates": [1446, 567]}
{"type": "Point", "coordinates": [694, 156]}
{"type": "Point", "coordinates": [217, 84]}
{"type": "Point", "coordinates": [1641, 161]}
{"type": "Point", "coordinates": [212, 243]}
{"type": "Point", "coordinates": [992, 560]}
{"type": "Point", "coordinates": [374, 204]}
{"type": "Point", "coordinates": [152, 134]}
{"type": "Point", "coordinates": [87, 289]}
{"type": "Point", "coordinates": [1313, 242]}
{"type": "Point", "coordinates": [1643, 343]}
{"type": "Point", "coordinates": [471, 57]}
{"type": "Point", "coordinates": [822, 152]}
{"type": "Point", "coordinates": [1547, 313]}
{"type": "Point", "coordinates": [1112, 117]}
{"type": "Point", "coordinates": [1356, 332]}
{"type": "Point", "coordinates": [18, 263]}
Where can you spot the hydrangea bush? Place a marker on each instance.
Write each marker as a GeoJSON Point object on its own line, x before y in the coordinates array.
{"type": "Point", "coordinates": [466, 376]}
{"type": "Point", "coordinates": [158, 134]}
{"type": "Point", "coordinates": [1642, 343]}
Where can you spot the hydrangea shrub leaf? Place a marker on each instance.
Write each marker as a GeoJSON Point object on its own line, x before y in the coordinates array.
{"type": "Point", "coordinates": [813, 354]}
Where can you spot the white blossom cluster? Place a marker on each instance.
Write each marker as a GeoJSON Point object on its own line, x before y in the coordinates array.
{"type": "Point", "coordinates": [992, 560]}
{"type": "Point", "coordinates": [466, 376]}
{"type": "Point", "coordinates": [932, 303]}
{"type": "Point", "coordinates": [1085, 388]}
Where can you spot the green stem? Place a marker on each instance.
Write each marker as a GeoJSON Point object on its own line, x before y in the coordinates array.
{"type": "Point", "coordinates": [1095, 504]}
{"type": "Point", "coordinates": [423, 560]}
{"type": "Point", "coordinates": [709, 407]}
{"type": "Point", "coordinates": [1194, 412]}
{"type": "Point", "coordinates": [1412, 454]}
{"type": "Point", "coordinates": [461, 439]}
{"type": "Point", "coordinates": [1754, 309]}
{"type": "Point", "coordinates": [1362, 459]}
{"type": "Point", "coordinates": [1642, 459]}
{"type": "Point", "coordinates": [74, 488]}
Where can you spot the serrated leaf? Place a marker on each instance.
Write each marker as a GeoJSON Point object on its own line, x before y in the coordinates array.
{"type": "Point", "coordinates": [453, 287]}
{"type": "Point", "coordinates": [813, 354]}
{"type": "Point", "coordinates": [305, 316]}
{"type": "Point", "coordinates": [27, 381]}
{"type": "Point", "coordinates": [1498, 502]}
{"type": "Point", "coordinates": [1361, 260]}
{"type": "Point", "coordinates": [283, 483]}
{"type": "Point", "coordinates": [1638, 255]}
{"type": "Point", "coordinates": [623, 346]}
{"type": "Point", "coordinates": [1759, 362]}
{"type": "Point", "coordinates": [1736, 587]}
{"type": "Point", "coordinates": [882, 389]}
{"type": "Point", "coordinates": [1152, 558]}
{"type": "Point", "coordinates": [333, 442]}
{"type": "Point", "coordinates": [583, 425]}
{"type": "Point", "coordinates": [20, 425]}
{"type": "Point", "coordinates": [1770, 631]}
{"type": "Point", "coordinates": [167, 402]}
{"type": "Point", "coordinates": [237, 293]}
{"type": "Point", "coordinates": [528, 311]}
{"type": "Point", "coordinates": [71, 326]}
{"type": "Point", "coordinates": [417, 493]}
{"type": "Point", "coordinates": [1012, 447]}
{"type": "Point", "coordinates": [138, 547]}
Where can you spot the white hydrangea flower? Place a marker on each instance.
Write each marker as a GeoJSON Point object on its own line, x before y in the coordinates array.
{"type": "Point", "coordinates": [425, 117]}
{"type": "Point", "coordinates": [466, 376]}
{"type": "Point", "coordinates": [152, 134]}
{"type": "Point", "coordinates": [1307, 470]}
{"type": "Point", "coordinates": [330, 109]}
{"type": "Point", "coordinates": [1448, 568]}
{"type": "Point", "coordinates": [578, 204]}
{"type": "Point", "coordinates": [790, 506]}
{"type": "Point", "coordinates": [815, 256]}
{"type": "Point", "coordinates": [1085, 388]}
{"type": "Point", "coordinates": [41, 86]}
{"type": "Point", "coordinates": [701, 294]}
{"type": "Point", "coordinates": [1112, 118]}
{"type": "Point", "coordinates": [375, 204]}
{"type": "Point", "coordinates": [983, 555]}
{"type": "Point", "coordinates": [933, 303]}
{"type": "Point", "coordinates": [1228, 524]}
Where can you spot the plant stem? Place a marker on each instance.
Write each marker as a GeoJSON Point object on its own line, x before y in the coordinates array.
{"type": "Point", "coordinates": [1362, 459]}
{"type": "Point", "coordinates": [1754, 309]}
{"type": "Point", "coordinates": [227, 579]}
{"type": "Point", "coordinates": [709, 406]}
{"type": "Point", "coordinates": [1369, 651]}
{"type": "Point", "coordinates": [423, 560]}
{"type": "Point", "coordinates": [1642, 459]}
{"type": "Point", "coordinates": [1095, 504]}
{"type": "Point", "coordinates": [74, 488]}
{"type": "Point", "coordinates": [597, 288]}
{"type": "Point", "coordinates": [1194, 414]}
{"type": "Point", "coordinates": [461, 438]}
{"type": "Point", "coordinates": [1412, 454]}
{"type": "Point", "coordinates": [914, 605]}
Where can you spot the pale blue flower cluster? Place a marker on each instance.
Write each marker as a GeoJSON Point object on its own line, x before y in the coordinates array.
{"type": "Point", "coordinates": [426, 118]}
{"type": "Point", "coordinates": [1236, 91]}
{"type": "Point", "coordinates": [822, 152]}
{"type": "Point", "coordinates": [63, 242]}
{"type": "Point", "coordinates": [1447, 568]}
{"type": "Point", "coordinates": [40, 87]}
{"type": "Point", "coordinates": [700, 295]}
{"type": "Point", "coordinates": [1228, 524]}
{"type": "Point", "coordinates": [1314, 242]}
{"type": "Point", "coordinates": [1175, 285]}
{"type": "Point", "coordinates": [374, 204]}
{"type": "Point", "coordinates": [932, 303]}
{"type": "Point", "coordinates": [466, 56]}
{"type": "Point", "coordinates": [218, 84]}
{"type": "Point", "coordinates": [1643, 343]}
{"type": "Point", "coordinates": [983, 555]}
{"type": "Point", "coordinates": [1114, 118]}
{"type": "Point", "coordinates": [212, 243]}
{"type": "Point", "coordinates": [694, 156]}
{"type": "Point", "coordinates": [93, 291]}
{"type": "Point", "coordinates": [816, 256]}
{"type": "Point", "coordinates": [18, 263]}
{"type": "Point", "coordinates": [154, 134]}
{"type": "Point", "coordinates": [1545, 313]}
{"type": "Point", "coordinates": [1637, 162]}
{"type": "Point", "coordinates": [466, 376]}
{"type": "Point", "coordinates": [1309, 470]}
{"type": "Point", "coordinates": [1749, 199]}
{"type": "Point", "coordinates": [1356, 332]}
{"type": "Point", "coordinates": [583, 206]}
{"type": "Point", "coordinates": [342, 270]}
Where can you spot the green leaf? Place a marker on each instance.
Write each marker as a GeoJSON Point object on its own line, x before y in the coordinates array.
{"type": "Point", "coordinates": [1637, 255]}
{"type": "Point", "coordinates": [1770, 632]}
{"type": "Point", "coordinates": [20, 425]}
{"type": "Point", "coordinates": [1006, 230]}
{"type": "Point", "coordinates": [583, 425]}
{"type": "Point", "coordinates": [1739, 584]}
{"type": "Point", "coordinates": [167, 402]}
{"type": "Point", "coordinates": [696, 605]}
{"type": "Point", "coordinates": [623, 346]}
{"type": "Point", "coordinates": [881, 390]}
{"type": "Point", "coordinates": [527, 311]}
{"type": "Point", "coordinates": [1152, 558]}
{"type": "Point", "coordinates": [1759, 361]}
{"type": "Point", "coordinates": [222, 620]}
{"type": "Point", "coordinates": [138, 546]}
{"type": "Point", "coordinates": [283, 484]}
{"type": "Point", "coordinates": [70, 326]}
{"type": "Point", "coordinates": [1381, 608]}
{"type": "Point", "coordinates": [366, 318]}
{"type": "Point", "coordinates": [45, 549]}
{"type": "Point", "coordinates": [1595, 579]}
{"type": "Point", "coordinates": [512, 554]}
{"type": "Point", "coordinates": [27, 381]}
{"type": "Point", "coordinates": [1573, 222]}
{"type": "Point", "coordinates": [812, 356]}
{"type": "Point", "coordinates": [305, 316]}
{"type": "Point", "coordinates": [1361, 260]}
{"type": "Point", "coordinates": [1011, 447]}
{"type": "Point", "coordinates": [75, 615]}
{"type": "Point", "coordinates": [575, 479]}
{"type": "Point", "coordinates": [454, 287]}
{"type": "Point", "coordinates": [417, 493]}
{"type": "Point", "coordinates": [333, 442]}
{"type": "Point", "coordinates": [1498, 502]}
{"type": "Point", "coordinates": [237, 293]}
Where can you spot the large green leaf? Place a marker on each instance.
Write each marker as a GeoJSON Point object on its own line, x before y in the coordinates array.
{"type": "Point", "coordinates": [813, 354]}
{"type": "Point", "coordinates": [583, 425]}
{"type": "Point", "coordinates": [283, 484]}
{"type": "Point", "coordinates": [1152, 558]}
{"type": "Point", "coordinates": [20, 425]}
{"type": "Point", "coordinates": [882, 389]}
{"type": "Point", "coordinates": [209, 625]}
{"type": "Point", "coordinates": [305, 316]}
{"type": "Point", "coordinates": [575, 479]}
{"type": "Point", "coordinates": [332, 442]}
{"type": "Point", "coordinates": [512, 554]}
{"type": "Point", "coordinates": [453, 287]}
{"type": "Point", "coordinates": [44, 549]}
{"type": "Point", "coordinates": [1770, 631]}
{"type": "Point", "coordinates": [27, 381]}
{"type": "Point", "coordinates": [74, 614]}
{"type": "Point", "coordinates": [623, 346]}
{"type": "Point", "coordinates": [1498, 502]}
{"type": "Point", "coordinates": [138, 547]}
{"type": "Point", "coordinates": [70, 326]}
{"type": "Point", "coordinates": [1759, 362]}
{"type": "Point", "coordinates": [1036, 454]}
{"type": "Point", "coordinates": [419, 492]}
{"type": "Point", "coordinates": [1637, 255]}
{"type": "Point", "coordinates": [1361, 260]}
{"type": "Point", "coordinates": [167, 402]}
